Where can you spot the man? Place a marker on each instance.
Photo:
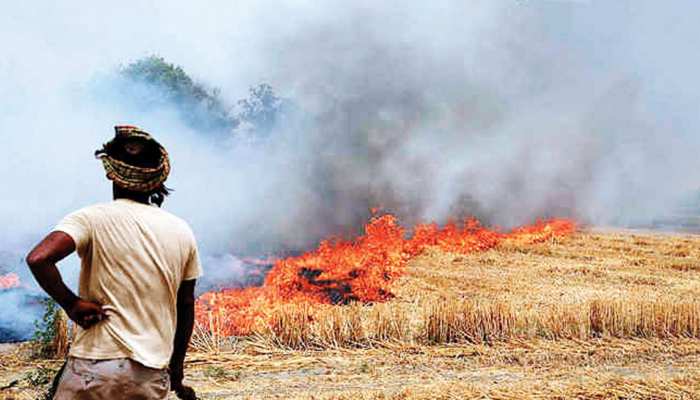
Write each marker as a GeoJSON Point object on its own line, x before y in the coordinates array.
{"type": "Point", "coordinates": [139, 266]}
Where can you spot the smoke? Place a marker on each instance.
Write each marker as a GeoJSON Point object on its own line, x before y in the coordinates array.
{"type": "Point", "coordinates": [508, 110]}
{"type": "Point", "coordinates": [16, 326]}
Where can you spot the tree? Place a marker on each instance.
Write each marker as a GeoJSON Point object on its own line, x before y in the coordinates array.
{"type": "Point", "coordinates": [262, 109]}
{"type": "Point", "coordinates": [200, 107]}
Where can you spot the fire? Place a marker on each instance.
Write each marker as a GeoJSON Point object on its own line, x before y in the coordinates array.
{"type": "Point", "coordinates": [362, 270]}
{"type": "Point", "coordinates": [9, 281]}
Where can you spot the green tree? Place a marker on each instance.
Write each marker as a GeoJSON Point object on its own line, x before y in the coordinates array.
{"type": "Point", "coordinates": [200, 107]}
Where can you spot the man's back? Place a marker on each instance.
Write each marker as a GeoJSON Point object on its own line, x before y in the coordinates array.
{"type": "Point", "coordinates": [137, 281]}
{"type": "Point", "coordinates": [134, 258]}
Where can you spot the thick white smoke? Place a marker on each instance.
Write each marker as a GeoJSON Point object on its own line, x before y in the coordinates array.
{"type": "Point", "coordinates": [510, 110]}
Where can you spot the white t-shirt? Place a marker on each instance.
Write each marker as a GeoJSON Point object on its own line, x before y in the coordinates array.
{"type": "Point", "coordinates": [133, 259]}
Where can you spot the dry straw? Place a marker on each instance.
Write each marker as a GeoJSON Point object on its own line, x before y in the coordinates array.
{"type": "Point", "coordinates": [438, 321]}
{"type": "Point", "coordinates": [61, 339]}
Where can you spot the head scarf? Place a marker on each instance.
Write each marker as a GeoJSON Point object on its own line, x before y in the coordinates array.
{"type": "Point", "coordinates": [131, 177]}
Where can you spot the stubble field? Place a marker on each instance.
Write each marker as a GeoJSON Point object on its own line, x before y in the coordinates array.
{"type": "Point", "coordinates": [598, 314]}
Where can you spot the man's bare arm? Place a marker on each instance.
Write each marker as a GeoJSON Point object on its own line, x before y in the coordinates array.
{"type": "Point", "coordinates": [183, 332]}
{"type": "Point", "coordinates": [42, 262]}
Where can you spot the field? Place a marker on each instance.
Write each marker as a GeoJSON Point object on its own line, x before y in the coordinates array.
{"type": "Point", "coordinates": [598, 314]}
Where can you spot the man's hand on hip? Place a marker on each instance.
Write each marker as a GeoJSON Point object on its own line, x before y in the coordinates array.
{"type": "Point", "coordinates": [86, 313]}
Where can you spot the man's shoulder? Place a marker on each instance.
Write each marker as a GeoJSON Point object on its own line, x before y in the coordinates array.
{"type": "Point", "coordinates": [93, 209]}
{"type": "Point", "coordinates": [174, 222]}
{"type": "Point", "coordinates": [175, 219]}
{"type": "Point", "coordinates": [118, 209]}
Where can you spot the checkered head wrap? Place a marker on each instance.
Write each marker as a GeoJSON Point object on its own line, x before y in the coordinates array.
{"type": "Point", "coordinates": [132, 141]}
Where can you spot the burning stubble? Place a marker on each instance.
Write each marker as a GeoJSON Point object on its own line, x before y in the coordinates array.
{"type": "Point", "coordinates": [359, 271]}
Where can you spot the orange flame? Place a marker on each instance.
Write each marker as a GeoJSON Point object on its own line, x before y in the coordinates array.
{"type": "Point", "coordinates": [9, 281]}
{"type": "Point", "coordinates": [359, 270]}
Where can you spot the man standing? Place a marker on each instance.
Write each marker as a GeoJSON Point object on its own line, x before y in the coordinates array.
{"type": "Point", "coordinates": [139, 265]}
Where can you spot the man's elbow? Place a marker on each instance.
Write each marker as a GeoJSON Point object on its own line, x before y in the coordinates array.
{"type": "Point", "coordinates": [35, 260]}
